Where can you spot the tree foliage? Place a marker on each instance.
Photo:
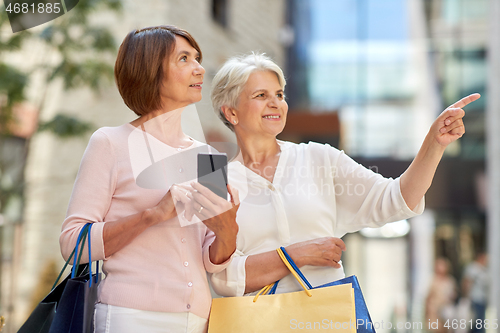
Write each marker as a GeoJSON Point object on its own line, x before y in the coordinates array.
{"type": "Point", "coordinates": [12, 80]}
{"type": "Point", "coordinates": [85, 48]}
{"type": "Point", "coordinates": [65, 126]}
{"type": "Point", "coordinates": [77, 50]}
{"type": "Point", "coordinates": [82, 47]}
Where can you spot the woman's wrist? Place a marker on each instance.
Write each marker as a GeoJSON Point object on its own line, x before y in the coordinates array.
{"type": "Point", "coordinates": [221, 251]}
{"type": "Point", "coordinates": [228, 237]}
{"type": "Point", "coordinates": [150, 216]}
{"type": "Point", "coordinates": [295, 255]}
{"type": "Point", "coordinates": [431, 143]}
{"type": "Point", "coordinates": [224, 245]}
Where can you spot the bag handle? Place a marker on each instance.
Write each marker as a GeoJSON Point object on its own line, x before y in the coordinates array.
{"type": "Point", "coordinates": [287, 260]}
{"type": "Point", "coordinates": [295, 268]}
{"type": "Point", "coordinates": [292, 270]}
{"type": "Point", "coordinates": [83, 233]}
{"type": "Point", "coordinates": [90, 262]}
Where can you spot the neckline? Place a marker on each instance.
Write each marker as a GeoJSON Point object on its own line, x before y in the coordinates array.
{"type": "Point", "coordinates": [277, 172]}
{"type": "Point", "coordinates": [149, 135]}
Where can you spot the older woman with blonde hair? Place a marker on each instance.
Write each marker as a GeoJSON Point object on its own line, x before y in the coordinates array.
{"type": "Point", "coordinates": [305, 196]}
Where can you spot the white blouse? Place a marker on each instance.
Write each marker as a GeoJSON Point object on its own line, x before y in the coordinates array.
{"type": "Point", "coordinates": [317, 191]}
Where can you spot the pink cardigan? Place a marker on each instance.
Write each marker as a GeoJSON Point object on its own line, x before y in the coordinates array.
{"type": "Point", "coordinates": [164, 268]}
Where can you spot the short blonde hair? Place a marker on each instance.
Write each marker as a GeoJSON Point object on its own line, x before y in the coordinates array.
{"type": "Point", "coordinates": [232, 77]}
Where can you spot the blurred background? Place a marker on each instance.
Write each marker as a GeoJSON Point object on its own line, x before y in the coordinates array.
{"type": "Point", "coordinates": [367, 76]}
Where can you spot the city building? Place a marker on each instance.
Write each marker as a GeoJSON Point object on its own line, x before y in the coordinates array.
{"type": "Point", "coordinates": [387, 69]}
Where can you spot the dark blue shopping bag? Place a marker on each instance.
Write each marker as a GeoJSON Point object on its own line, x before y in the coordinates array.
{"type": "Point", "coordinates": [69, 307]}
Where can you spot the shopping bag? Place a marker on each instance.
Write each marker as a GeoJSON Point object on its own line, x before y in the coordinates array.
{"type": "Point", "coordinates": [330, 308]}
{"type": "Point", "coordinates": [76, 307]}
{"type": "Point", "coordinates": [364, 322]}
{"type": "Point", "coordinates": [42, 316]}
{"type": "Point", "coordinates": [75, 311]}
{"type": "Point", "coordinates": [69, 305]}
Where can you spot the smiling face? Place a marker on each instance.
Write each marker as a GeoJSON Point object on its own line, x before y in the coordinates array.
{"type": "Point", "coordinates": [183, 76]}
{"type": "Point", "coordinates": [261, 108]}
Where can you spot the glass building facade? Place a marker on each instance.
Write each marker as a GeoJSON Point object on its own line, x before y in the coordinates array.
{"type": "Point", "coordinates": [388, 68]}
{"type": "Point", "coordinates": [457, 30]}
{"type": "Point", "coordinates": [354, 57]}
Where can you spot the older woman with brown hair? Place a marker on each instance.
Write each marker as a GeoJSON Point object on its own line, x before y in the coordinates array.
{"type": "Point", "coordinates": [305, 196]}
{"type": "Point", "coordinates": [155, 268]}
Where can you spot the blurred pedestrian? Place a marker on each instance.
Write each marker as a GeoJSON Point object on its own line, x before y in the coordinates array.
{"type": "Point", "coordinates": [440, 301]}
{"type": "Point", "coordinates": [475, 284]}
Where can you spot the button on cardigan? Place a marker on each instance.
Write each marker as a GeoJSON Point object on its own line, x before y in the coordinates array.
{"type": "Point", "coordinates": [317, 191]}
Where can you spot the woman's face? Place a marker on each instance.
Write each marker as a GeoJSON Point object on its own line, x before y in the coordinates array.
{"type": "Point", "coordinates": [261, 108]}
{"type": "Point", "coordinates": [183, 76]}
{"type": "Point", "coordinates": [441, 267]}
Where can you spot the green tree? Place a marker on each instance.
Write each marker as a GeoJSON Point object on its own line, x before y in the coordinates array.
{"type": "Point", "coordinates": [83, 50]}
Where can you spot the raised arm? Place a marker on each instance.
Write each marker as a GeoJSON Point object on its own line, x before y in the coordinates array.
{"type": "Point", "coordinates": [448, 127]}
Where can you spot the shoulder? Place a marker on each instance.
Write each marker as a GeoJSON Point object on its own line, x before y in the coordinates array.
{"type": "Point", "coordinates": [310, 146]}
{"type": "Point", "coordinates": [111, 136]}
{"type": "Point", "coordinates": [106, 140]}
{"type": "Point", "coordinates": [313, 150]}
{"type": "Point", "coordinates": [113, 133]}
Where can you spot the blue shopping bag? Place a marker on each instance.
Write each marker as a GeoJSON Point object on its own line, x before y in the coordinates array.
{"type": "Point", "coordinates": [364, 322]}
{"type": "Point", "coordinates": [69, 307]}
{"type": "Point", "coordinates": [75, 310]}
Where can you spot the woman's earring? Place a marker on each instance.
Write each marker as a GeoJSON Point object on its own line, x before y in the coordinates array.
{"type": "Point", "coordinates": [235, 122]}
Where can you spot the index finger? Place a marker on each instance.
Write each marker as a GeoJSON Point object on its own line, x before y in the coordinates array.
{"type": "Point", "coordinates": [464, 101]}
